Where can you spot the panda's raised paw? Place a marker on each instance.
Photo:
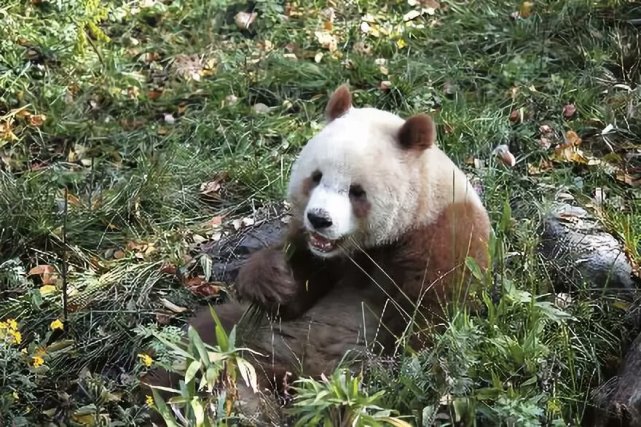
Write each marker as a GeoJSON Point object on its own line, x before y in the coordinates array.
{"type": "Point", "coordinates": [266, 279]}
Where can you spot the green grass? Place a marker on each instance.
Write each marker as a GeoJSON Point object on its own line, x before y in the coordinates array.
{"type": "Point", "coordinates": [132, 141]}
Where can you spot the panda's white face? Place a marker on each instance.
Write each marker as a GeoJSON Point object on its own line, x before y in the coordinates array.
{"type": "Point", "coordinates": [369, 176]}
{"type": "Point", "coordinates": [353, 185]}
{"type": "Point", "coordinates": [334, 210]}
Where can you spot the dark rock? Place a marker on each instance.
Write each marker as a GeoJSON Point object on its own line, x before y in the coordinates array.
{"type": "Point", "coordinates": [620, 398]}
{"type": "Point", "coordinates": [230, 252]}
{"type": "Point", "coordinates": [578, 250]}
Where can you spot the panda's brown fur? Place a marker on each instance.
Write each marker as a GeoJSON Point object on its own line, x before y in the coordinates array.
{"type": "Point", "coordinates": [324, 308]}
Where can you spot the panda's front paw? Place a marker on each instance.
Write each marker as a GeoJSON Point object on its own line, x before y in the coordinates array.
{"type": "Point", "coordinates": [267, 279]}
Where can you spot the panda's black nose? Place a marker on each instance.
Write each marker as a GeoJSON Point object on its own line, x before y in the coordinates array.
{"type": "Point", "coordinates": [319, 220]}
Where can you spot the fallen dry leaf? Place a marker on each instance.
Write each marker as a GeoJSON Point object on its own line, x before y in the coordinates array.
{"type": "Point", "coordinates": [385, 85]}
{"type": "Point", "coordinates": [163, 318]}
{"type": "Point", "coordinates": [568, 111]}
{"type": "Point", "coordinates": [503, 153]}
{"type": "Point", "coordinates": [329, 14]}
{"type": "Point", "coordinates": [569, 154]}
{"type": "Point", "coordinates": [629, 179]}
{"type": "Point", "coordinates": [545, 143]}
{"type": "Point", "coordinates": [154, 94]}
{"type": "Point", "coordinates": [119, 254]}
{"type": "Point", "coordinates": [168, 268]}
{"type": "Point", "coordinates": [211, 189]}
{"type": "Point", "coordinates": [215, 221]}
{"type": "Point", "coordinates": [326, 40]}
{"type": "Point", "coordinates": [231, 99]}
{"type": "Point", "coordinates": [432, 4]}
{"type": "Point", "coordinates": [546, 130]}
{"type": "Point", "coordinates": [199, 286]}
{"type": "Point", "coordinates": [572, 138]}
{"type": "Point", "coordinates": [362, 48]}
{"type": "Point", "coordinates": [516, 116]}
{"type": "Point", "coordinates": [47, 273]}
{"type": "Point", "coordinates": [260, 108]}
{"type": "Point", "coordinates": [6, 132]}
{"type": "Point", "coordinates": [526, 9]}
{"type": "Point", "coordinates": [169, 118]}
{"type": "Point", "coordinates": [188, 67]}
{"type": "Point", "coordinates": [48, 289]}
{"type": "Point", "coordinates": [132, 124]}
{"type": "Point", "coordinates": [412, 14]}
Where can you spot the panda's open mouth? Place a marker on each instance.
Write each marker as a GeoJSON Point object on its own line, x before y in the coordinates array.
{"type": "Point", "coordinates": [322, 244]}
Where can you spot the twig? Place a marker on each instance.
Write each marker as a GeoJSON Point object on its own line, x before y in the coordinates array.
{"type": "Point", "coordinates": [95, 48]}
{"type": "Point", "coordinates": [64, 258]}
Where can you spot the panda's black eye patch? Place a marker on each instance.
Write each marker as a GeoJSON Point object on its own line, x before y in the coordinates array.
{"type": "Point", "coordinates": [356, 191]}
{"type": "Point", "coordinates": [317, 176]}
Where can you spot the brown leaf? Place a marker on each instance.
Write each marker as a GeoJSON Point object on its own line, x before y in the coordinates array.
{"type": "Point", "coordinates": [504, 154]}
{"type": "Point", "coordinates": [132, 124]}
{"type": "Point", "coordinates": [629, 179]}
{"type": "Point", "coordinates": [543, 166]}
{"type": "Point", "coordinates": [545, 130]}
{"type": "Point", "coordinates": [569, 110]}
{"type": "Point", "coordinates": [569, 154]}
{"type": "Point", "coordinates": [199, 286]}
{"type": "Point", "coordinates": [36, 120]}
{"type": "Point", "coordinates": [211, 189]}
{"type": "Point", "coordinates": [47, 273]}
{"type": "Point", "coordinates": [572, 138]}
{"type": "Point", "coordinates": [168, 268]}
{"type": "Point", "coordinates": [163, 318]}
{"type": "Point", "coordinates": [6, 132]}
{"type": "Point", "coordinates": [154, 94]}
{"type": "Point", "coordinates": [516, 116]}
{"type": "Point", "coordinates": [215, 221]}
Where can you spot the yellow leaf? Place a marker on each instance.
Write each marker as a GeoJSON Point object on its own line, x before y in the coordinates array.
{"type": "Point", "coordinates": [57, 324]}
{"type": "Point", "coordinates": [47, 289]}
{"type": "Point", "coordinates": [526, 9]}
{"type": "Point", "coordinates": [37, 361]}
{"type": "Point", "coordinates": [572, 138]}
{"type": "Point", "coordinates": [84, 419]}
{"type": "Point", "coordinates": [6, 133]}
{"type": "Point", "coordinates": [146, 359]}
{"type": "Point", "coordinates": [328, 25]}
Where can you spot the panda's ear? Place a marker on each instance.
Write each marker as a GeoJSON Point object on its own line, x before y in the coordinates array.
{"type": "Point", "coordinates": [339, 103]}
{"type": "Point", "coordinates": [418, 133]}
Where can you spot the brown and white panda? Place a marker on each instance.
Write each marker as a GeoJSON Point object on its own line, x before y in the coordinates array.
{"type": "Point", "coordinates": [382, 221]}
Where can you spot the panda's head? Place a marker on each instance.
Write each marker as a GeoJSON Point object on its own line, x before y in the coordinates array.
{"type": "Point", "coordinates": [359, 182]}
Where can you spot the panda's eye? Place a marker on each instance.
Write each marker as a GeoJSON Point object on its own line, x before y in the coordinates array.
{"type": "Point", "coordinates": [356, 191]}
{"type": "Point", "coordinates": [317, 176]}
